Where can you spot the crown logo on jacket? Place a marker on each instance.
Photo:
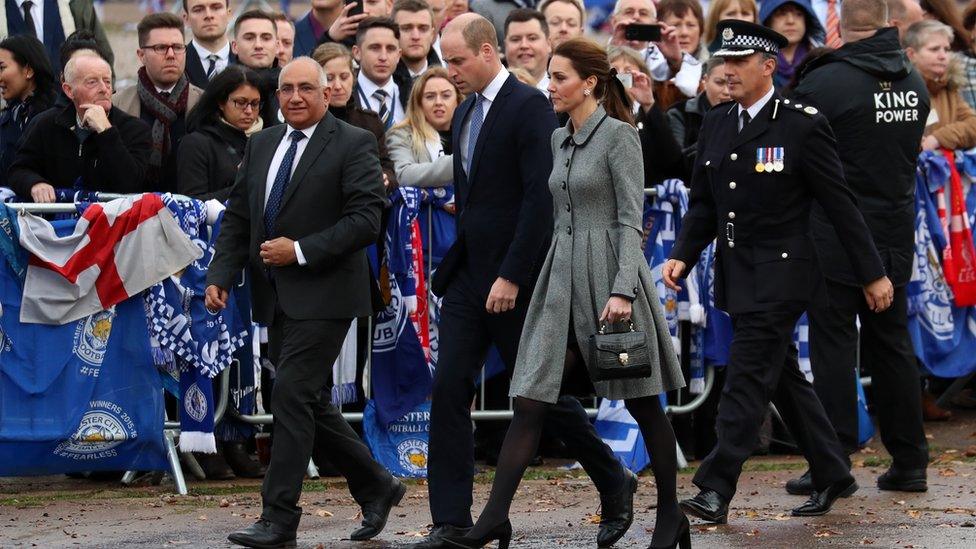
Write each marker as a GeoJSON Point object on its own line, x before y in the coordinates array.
{"type": "Point", "coordinates": [885, 86]}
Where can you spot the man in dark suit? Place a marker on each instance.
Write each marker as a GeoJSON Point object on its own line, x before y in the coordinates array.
{"type": "Point", "coordinates": [305, 205]}
{"type": "Point", "coordinates": [761, 162]}
{"type": "Point", "coordinates": [504, 218]}
{"type": "Point", "coordinates": [378, 88]}
{"type": "Point", "coordinates": [208, 52]}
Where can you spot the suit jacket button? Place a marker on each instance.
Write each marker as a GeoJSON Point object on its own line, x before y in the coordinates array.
{"type": "Point", "coordinates": [568, 207]}
{"type": "Point", "coordinates": [731, 215]}
{"type": "Point", "coordinates": [731, 244]}
{"type": "Point", "coordinates": [732, 185]}
{"type": "Point", "coordinates": [785, 255]}
{"type": "Point", "coordinates": [733, 157]}
{"type": "Point", "coordinates": [569, 230]}
{"type": "Point", "coordinates": [563, 185]}
{"type": "Point", "coordinates": [708, 162]}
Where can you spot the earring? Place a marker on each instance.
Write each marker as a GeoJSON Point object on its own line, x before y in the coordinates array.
{"type": "Point", "coordinates": [586, 92]}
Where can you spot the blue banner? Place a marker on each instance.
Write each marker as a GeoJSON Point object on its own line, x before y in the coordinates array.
{"type": "Point", "coordinates": [84, 396]}
{"type": "Point", "coordinates": [400, 446]}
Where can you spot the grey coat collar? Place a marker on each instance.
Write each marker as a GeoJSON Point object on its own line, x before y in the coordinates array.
{"type": "Point", "coordinates": [582, 137]}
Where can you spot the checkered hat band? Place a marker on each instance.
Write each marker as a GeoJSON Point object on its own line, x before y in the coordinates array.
{"type": "Point", "coordinates": [744, 41]}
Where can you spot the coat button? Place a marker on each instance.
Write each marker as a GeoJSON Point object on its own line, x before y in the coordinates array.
{"type": "Point", "coordinates": [708, 162]}
{"type": "Point", "coordinates": [569, 230]}
{"type": "Point", "coordinates": [784, 255]}
{"type": "Point", "coordinates": [731, 215]}
{"type": "Point", "coordinates": [733, 157]}
{"type": "Point", "coordinates": [567, 162]}
{"type": "Point", "coordinates": [732, 185]}
{"type": "Point", "coordinates": [567, 207]}
{"type": "Point", "coordinates": [563, 185]}
{"type": "Point", "coordinates": [731, 244]}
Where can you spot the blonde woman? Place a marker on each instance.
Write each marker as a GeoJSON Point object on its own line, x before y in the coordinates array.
{"type": "Point", "coordinates": [420, 146]}
{"type": "Point", "coordinates": [718, 10]}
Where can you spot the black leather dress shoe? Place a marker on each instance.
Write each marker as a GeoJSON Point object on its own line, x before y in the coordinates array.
{"type": "Point", "coordinates": [802, 486]}
{"type": "Point", "coordinates": [821, 502]}
{"type": "Point", "coordinates": [903, 480]}
{"type": "Point", "coordinates": [264, 534]}
{"type": "Point", "coordinates": [435, 539]}
{"type": "Point", "coordinates": [376, 512]}
{"type": "Point", "coordinates": [617, 512]}
{"type": "Point", "coordinates": [708, 505]}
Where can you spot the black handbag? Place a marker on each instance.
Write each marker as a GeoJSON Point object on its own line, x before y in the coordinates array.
{"type": "Point", "coordinates": [619, 355]}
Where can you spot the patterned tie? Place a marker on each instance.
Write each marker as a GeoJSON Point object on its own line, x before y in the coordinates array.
{"type": "Point", "coordinates": [386, 113]}
{"type": "Point", "coordinates": [281, 180]}
{"type": "Point", "coordinates": [29, 19]}
{"type": "Point", "coordinates": [476, 120]}
{"type": "Point", "coordinates": [833, 26]}
{"type": "Point", "coordinates": [213, 65]}
{"type": "Point", "coordinates": [745, 120]}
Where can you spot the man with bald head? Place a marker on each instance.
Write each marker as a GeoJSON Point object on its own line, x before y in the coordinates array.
{"type": "Point", "coordinates": [86, 145]}
{"type": "Point", "coordinates": [877, 105]}
{"type": "Point", "coordinates": [903, 13]}
{"type": "Point", "coordinates": [305, 205]}
{"type": "Point", "coordinates": [502, 135]}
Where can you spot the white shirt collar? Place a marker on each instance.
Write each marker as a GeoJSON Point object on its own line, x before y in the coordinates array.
{"type": "Point", "coordinates": [543, 84]}
{"type": "Point", "coordinates": [418, 73]}
{"type": "Point", "coordinates": [39, 4]}
{"type": "Point", "coordinates": [161, 90]}
{"type": "Point", "coordinates": [758, 105]}
{"type": "Point", "coordinates": [222, 54]}
{"type": "Point", "coordinates": [369, 87]}
{"type": "Point", "coordinates": [495, 86]}
{"type": "Point", "coordinates": [307, 131]}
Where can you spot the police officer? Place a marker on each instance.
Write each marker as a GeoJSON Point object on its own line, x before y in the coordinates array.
{"type": "Point", "coordinates": [761, 162]}
{"type": "Point", "coordinates": [877, 105]}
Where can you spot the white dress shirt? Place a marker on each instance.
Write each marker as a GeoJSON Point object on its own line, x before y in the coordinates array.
{"type": "Point", "coordinates": [37, 12]}
{"type": "Point", "coordinates": [487, 99]}
{"type": "Point", "coordinates": [754, 109]}
{"type": "Point", "coordinates": [543, 84]}
{"type": "Point", "coordinates": [366, 90]}
{"type": "Point", "coordinates": [223, 56]}
{"type": "Point", "coordinates": [276, 160]}
{"type": "Point", "coordinates": [421, 71]}
{"type": "Point", "coordinates": [436, 46]}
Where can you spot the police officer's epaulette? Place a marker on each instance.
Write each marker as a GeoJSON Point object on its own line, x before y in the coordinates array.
{"type": "Point", "coordinates": [799, 107]}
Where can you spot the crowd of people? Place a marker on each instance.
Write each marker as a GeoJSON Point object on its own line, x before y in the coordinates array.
{"type": "Point", "coordinates": [795, 124]}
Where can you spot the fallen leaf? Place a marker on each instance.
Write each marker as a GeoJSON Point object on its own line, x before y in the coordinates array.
{"type": "Point", "coordinates": [947, 472]}
{"type": "Point", "coordinates": [914, 513]}
{"type": "Point", "coordinates": [323, 513]}
{"type": "Point", "coordinates": [753, 533]}
{"type": "Point", "coordinates": [826, 533]}
{"type": "Point", "coordinates": [224, 503]}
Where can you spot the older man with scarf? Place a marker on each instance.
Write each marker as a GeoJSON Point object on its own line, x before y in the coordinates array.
{"type": "Point", "coordinates": [162, 96]}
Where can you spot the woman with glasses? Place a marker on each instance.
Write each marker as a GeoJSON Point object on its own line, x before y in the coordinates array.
{"type": "Point", "coordinates": [228, 113]}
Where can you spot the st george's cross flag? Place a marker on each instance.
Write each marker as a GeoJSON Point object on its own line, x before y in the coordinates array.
{"type": "Point", "coordinates": [117, 250]}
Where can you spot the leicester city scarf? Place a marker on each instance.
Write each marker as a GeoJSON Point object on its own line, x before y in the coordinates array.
{"type": "Point", "coordinates": [202, 341]}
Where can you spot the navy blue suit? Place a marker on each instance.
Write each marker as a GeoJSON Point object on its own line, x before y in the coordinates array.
{"type": "Point", "coordinates": [305, 40]}
{"type": "Point", "coordinates": [504, 225]}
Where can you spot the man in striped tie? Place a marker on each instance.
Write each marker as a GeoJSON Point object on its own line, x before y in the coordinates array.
{"type": "Point", "coordinates": [208, 52]}
{"type": "Point", "coordinates": [378, 89]}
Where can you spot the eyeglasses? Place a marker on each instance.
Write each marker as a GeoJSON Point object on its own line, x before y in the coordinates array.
{"type": "Point", "coordinates": [161, 49]}
{"type": "Point", "coordinates": [243, 104]}
{"type": "Point", "coordinates": [304, 89]}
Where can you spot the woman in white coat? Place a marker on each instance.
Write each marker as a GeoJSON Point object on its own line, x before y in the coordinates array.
{"type": "Point", "coordinates": [420, 146]}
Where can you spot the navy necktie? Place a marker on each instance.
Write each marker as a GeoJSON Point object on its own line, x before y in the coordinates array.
{"type": "Point", "coordinates": [29, 18]}
{"type": "Point", "coordinates": [212, 69]}
{"type": "Point", "coordinates": [281, 180]}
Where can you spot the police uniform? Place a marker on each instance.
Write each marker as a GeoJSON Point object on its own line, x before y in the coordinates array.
{"type": "Point", "coordinates": [752, 189]}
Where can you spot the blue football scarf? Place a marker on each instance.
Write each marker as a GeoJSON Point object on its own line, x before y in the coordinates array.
{"type": "Point", "coordinates": [400, 374]}
{"type": "Point", "coordinates": [13, 253]}
{"type": "Point", "coordinates": [203, 341]}
{"type": "Point", "coordinates": [83, 396]}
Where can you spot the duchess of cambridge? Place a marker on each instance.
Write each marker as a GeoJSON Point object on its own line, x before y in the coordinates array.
{"type": "Point", "coordinates": [594, 272]}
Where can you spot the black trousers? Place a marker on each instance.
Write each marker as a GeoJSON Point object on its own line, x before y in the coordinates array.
{"type": "Point", "coordinates": [886, 348]}
{"type": "Point", "coordinates": [466, 333]}
{"type": "Point", "coordinates": [303, 352]}
{"type": "Point", "coordinates": [763, 367]}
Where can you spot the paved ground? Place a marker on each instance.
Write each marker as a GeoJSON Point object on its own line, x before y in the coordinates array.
{"type": "Point", "coordinates": [553, 509]}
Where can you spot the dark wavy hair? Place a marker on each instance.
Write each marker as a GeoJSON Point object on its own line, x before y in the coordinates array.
{"type": "Point", "coordinates": [207, 110]}
{"type": "Point", "coordinates": [28, 51]}
{"type": "Point", "coordinates": [590, 59]}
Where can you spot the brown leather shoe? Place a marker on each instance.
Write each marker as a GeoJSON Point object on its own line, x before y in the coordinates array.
{"type": "Point", "coordinates": [932, 411]}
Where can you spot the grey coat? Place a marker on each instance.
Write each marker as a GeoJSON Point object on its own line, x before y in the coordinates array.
{"type": "Point", "coordinates": [597, 186]}
{"type": "Point", "coordinates": [417, 170]}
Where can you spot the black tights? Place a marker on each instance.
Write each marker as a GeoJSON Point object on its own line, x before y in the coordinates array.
{"type": "Point", "coordinates": [522, 442]}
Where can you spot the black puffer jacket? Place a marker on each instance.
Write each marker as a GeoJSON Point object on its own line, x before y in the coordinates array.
{"type": "Point", "coordinates": [208, 161]}
{"type": "Point", "coordinates": [877, 105]}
